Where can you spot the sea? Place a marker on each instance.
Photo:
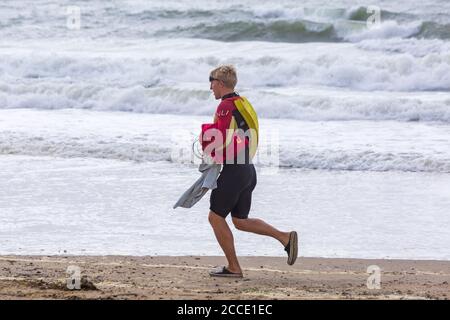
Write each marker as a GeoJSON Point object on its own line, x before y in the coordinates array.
{"type": "Point", "coordinates": [101, 103]}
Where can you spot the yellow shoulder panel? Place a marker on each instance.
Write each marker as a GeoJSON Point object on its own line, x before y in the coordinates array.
{"type": "Point", "coordinates": [249, 114]}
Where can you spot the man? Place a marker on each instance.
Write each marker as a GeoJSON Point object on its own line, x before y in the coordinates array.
{"type": "Point", "coordinates": [237, 180]}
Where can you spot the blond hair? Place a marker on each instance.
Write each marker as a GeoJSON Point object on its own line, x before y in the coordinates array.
{"type": "Point", "coordinates": [226, 74]}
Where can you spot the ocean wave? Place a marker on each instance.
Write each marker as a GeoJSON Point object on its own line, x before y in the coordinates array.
{"type": "Point", "coordinates": [295, 24]}
{"type": "Point", "coordinates": [301, 31]}
{"type": "Point", "coordinates": [277, 31]}
{"type": "Point", "coordinates": [321, 105]}
{"type": "Point", "coordinates": [413, 47]}
{"type": "Point", "coordinates": [434, 30]}
{"type": "Point", "coordinates": [298, 25]}
{"type": "Point", "coordinates": [336, 145]}
{"type": "Point", "coordinates": [364, 13]}
{"type": "Point", "coordinates": [86, 77]}
{"type": "Point", "coordinates": [145, 148]}
{"type": "Point", "coordinates": [385, 30]}
{"type": "Point", "coordinates": [283, 22]}
{"type": "Point", "coordinates": [365, 161]}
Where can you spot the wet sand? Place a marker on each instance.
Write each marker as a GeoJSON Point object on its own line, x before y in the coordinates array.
{"type": "Point", "coordinates": [130, 277]}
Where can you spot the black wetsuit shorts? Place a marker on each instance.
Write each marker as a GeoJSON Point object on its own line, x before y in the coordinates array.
{"type": "Point", "coordinates": [234, 191]}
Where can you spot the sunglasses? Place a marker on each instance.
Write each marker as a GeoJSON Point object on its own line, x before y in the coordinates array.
{"type": "Point", "coordinates": [211, 79]}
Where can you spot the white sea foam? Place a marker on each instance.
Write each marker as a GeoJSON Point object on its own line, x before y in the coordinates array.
{"type": "Point", "coordinates": [353, 145]}
{"type": "Point", "coordinates": [314, 83]}
{"type": "Point", "coordinates": [386, 30]}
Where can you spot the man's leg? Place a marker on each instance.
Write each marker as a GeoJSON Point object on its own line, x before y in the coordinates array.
{"type": "Point", "coordinates": [225, 238]}
{"type": "Point", "coordinates": [259, 226]}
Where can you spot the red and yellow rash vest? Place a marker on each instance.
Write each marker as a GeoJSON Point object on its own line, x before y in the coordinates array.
{"type": "Point", "coordinates": [237, 122]}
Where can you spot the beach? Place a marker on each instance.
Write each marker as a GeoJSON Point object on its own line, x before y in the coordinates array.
{"type": "Point", "coordinates": [164, 277]}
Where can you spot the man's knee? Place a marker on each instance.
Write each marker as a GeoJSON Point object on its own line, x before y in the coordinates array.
{"type": "Point", "coordinates": [214, 217]}
{"type": "Point", "coordinates": [239, 224]}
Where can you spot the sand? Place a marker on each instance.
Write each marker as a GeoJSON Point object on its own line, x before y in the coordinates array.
{"type": "Point", "coordinates": [161, 277]}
